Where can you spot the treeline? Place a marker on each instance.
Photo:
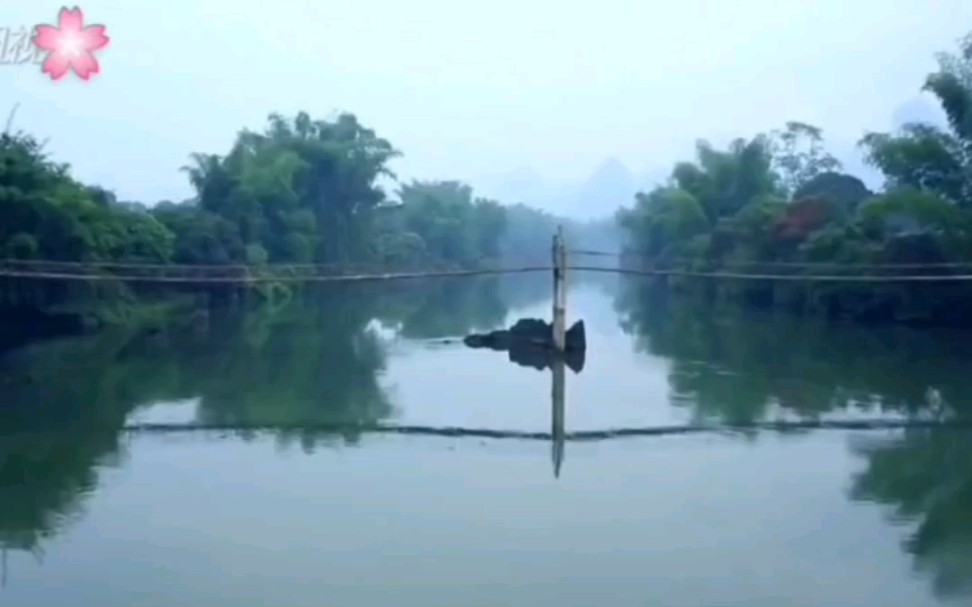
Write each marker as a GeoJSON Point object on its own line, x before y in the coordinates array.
{"type": "Point", "coordinates": [301, 191]}
{"type": "Point", "coordinates": [530, 230]}
{"type": "Point", "coordinates": [779, 204]}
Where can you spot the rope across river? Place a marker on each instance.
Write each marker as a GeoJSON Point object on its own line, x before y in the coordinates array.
{"type": "Point", "coordinates": [52, 270]}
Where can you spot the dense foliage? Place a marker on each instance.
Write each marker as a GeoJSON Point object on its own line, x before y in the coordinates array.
{"type": "Point", "coordinates": [309, 191]}
{"type": "Point", "coordinates": [302, 191]}
{"type": "Point", "coordinates": [46, 214]}
{"type": "Point", "coordinates": [779, 204]}
{"type": "Point", "coordinates": [442, 221]}
{"type": "Point", "coordinates": [313, 191]}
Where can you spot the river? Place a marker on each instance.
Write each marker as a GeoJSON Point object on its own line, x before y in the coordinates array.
{"type": "Point", "coordinates": [98, 506]}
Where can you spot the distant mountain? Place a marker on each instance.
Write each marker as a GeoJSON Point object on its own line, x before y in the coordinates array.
{"type": "Point", "coordinates": [612, 184]}
{"type": "Point", "coordinates": [608, 187]}
{"type": "Point", "coordinates": [520, 185]}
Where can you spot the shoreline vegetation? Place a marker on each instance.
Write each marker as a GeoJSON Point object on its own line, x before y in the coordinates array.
{"type": "Point", "coordinates": [301, 192]}
{"type": "Point", "coordinates": [310, 191]}
{"type": "Point", "coordinates": [779, 204]}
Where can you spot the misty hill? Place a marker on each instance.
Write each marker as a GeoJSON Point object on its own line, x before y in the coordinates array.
{"type": "Point", "coordinates": [520, 185]}
{"type": "Point", "coordinates": [609, 186]}
{"type": "Point", "coordinates": [612, 184]}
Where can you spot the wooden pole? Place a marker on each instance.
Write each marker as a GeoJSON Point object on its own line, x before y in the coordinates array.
{"type": "Point", "coordinates": [560, 291]}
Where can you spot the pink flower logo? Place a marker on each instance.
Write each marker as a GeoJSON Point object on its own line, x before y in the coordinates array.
{"type": "Point", "coordinates": [71, 45]}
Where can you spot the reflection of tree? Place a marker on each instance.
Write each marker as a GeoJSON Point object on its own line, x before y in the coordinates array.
{"type": "Point", "coordinates": [926, 477]}
{"type": "Point", "coordinates": [42, 481]}
{"type": "Point", "coordinates": [520, 291]}
{"type": "Point", "coordinates": [63, 404]}
{"type": "Point", "coordinates": [61, 408]}
{"type": "Point", "coordinates": [453, 307]}
{"type": "Point", "coordinates": [523, 290]}
{"type": "Point", "coordinates": [732, 366]}
{"type": "Point", "coordinates": [445, 307]}
{"type": "Point", "coordinates": [736, 366]}
{"type": "Point", "coordinates": [313, 363]}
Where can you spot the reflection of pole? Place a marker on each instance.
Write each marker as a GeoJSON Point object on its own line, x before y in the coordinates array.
{"type": "Point", "coordinates": [560, 290]}
{"type": "Point", "coordinates": [558, 413]}
{"type": "Point", "coordinates": [3, 577]}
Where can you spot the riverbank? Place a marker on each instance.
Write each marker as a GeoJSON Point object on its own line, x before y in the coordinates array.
{"type": "Point", "coordinates": [780, 206]}
{"type": "Point", "coordinates": [915, 304]}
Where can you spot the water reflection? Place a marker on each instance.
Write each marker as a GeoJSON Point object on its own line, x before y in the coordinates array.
{"type": "Point", "coordinates": [528, 344]}
{"type": "Point", "coordinates": [925, 477]}
{"type": "Point", "coordinates": [319, 362]}
{"type": "Point", "coordinates": [737, 367]}
{"type": "Point", "coordinates": [312, 364]}
{"type": "Point", "coordinates": [60, 426]}
{"type": "Point", "coordinates": [557, 413]}
{"type": "Point", "coordinates": [450, 307]}
{"type": "Point", "coordinates": [733, 367]}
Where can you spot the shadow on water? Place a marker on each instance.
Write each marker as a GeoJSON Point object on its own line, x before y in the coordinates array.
{"type": "Point", "coordinates": [733, 367]}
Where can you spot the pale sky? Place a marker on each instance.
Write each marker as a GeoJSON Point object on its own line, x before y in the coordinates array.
{"type": "Point", "coordinates": [469, 89]}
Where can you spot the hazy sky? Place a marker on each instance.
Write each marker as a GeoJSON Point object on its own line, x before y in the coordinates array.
{"type": "Point", "coordinates": [468, 89]}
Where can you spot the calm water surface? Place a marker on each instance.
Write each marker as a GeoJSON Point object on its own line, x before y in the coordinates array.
{"type": "Point", "coordinates": [324, 513]}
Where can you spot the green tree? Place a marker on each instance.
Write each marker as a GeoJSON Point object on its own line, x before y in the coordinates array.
{"type": "Point", "coordinates": [453, 225]}
{"type": "Point", "coordinates": [723, 181]}
{"type": "Point", "coordinates": [663, 218]}
{"type": "Point", "coordinates": [847, 191]}
{"type": "Point", "coordinates": [302, 190]}
{"type": "Point", "coordinates": [799, 156]}
{"type": "Point", "coordinates": [924, 156]}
